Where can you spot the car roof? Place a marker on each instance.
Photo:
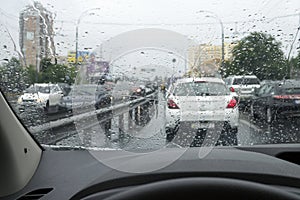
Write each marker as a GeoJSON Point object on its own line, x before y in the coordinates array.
{"type": "Point", "coordinates": [204, 79]}
{"type": "Point", "coordinates": [44, 84]}
{"type": "Point", "coordinates": [285, 83]}
{"type": "Point", "coordinates": [243, 76]}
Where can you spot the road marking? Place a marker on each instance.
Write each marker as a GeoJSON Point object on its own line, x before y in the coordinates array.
{"type": "Point", "coordinates": [250, 125]}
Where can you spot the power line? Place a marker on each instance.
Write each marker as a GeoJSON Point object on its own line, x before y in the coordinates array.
{"type": "Point", "coordinates": [8, 14]}
{"type": "Point", "coordinates": [178, 24]}
{"type": "Point", "coordinates": [295, 38]}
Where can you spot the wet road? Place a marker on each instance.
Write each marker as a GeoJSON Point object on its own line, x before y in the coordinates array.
{"type": "Point", "coordinates": [144, 128]}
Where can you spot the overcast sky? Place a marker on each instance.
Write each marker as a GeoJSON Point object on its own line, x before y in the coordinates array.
{"type": "Point", "coordinates": [118, 16]}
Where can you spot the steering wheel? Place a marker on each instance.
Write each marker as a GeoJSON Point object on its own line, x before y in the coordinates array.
{"type": "Point", "coordinates": [197, 188]}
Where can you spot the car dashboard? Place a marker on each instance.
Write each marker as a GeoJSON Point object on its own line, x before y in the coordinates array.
{"type": "Point", "coordinates": [76, 174]}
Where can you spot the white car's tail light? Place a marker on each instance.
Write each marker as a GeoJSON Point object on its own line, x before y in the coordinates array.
{"type": "Point", "coordinates": [232, 103]}
{"type": "Point", "coordinates": [172, 104]}
{"type": "Point", "coordinates": [232, 89]}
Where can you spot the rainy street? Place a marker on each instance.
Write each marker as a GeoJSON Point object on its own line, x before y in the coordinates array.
{"type": "Point", "coordinates": [142, 126]}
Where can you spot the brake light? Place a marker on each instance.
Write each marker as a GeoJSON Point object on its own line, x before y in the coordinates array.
{"type": "Point", "coordinates": [231, 89]}
{"type": "Point", "coordinates": [232, 103]}
{"type": "Point", "coordinates": [172, 104]}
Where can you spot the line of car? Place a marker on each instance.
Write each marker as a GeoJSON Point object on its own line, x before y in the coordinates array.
{"type": "Point", "coordinates": [54, 98]}
{"type": "Point", "coordinates": [198, 103]}
{"type": "Point", "coordinates": [44, 95]}
{"type": "Point", "coordinates": [203, 102]}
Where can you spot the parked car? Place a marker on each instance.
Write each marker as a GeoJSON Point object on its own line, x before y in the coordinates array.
{"type": "Point", "coordinates": [88, 96]}
{"type": "Point", "coordinates": [201, 102]}
{"type": "Point", "coordinates": [46, 95]}
{"type": "Point", "coordinates": [276, 99]}
{"type": "Point", "coordinates": [66, 88]}
{"type": "Point", "coordinates": [80, 97]}
{"type": "Point", "coordinates": [243, 86]}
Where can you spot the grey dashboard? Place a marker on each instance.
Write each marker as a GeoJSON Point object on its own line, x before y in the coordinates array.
{"type": "Point", "coordinates": [66, 174]}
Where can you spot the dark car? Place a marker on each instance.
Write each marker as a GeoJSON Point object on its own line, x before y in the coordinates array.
{"type": "Point", "coordinates": [80, 97]}
{"type": "Point", "coordinates": [276, 99]}
{"type": "Point", "coordinates": [88, 96]}
{"type": "Point", "coordinates": [103, 95]}
{"type": "Point", "coordinates": [144, 91]}
{"type": "Point", "coordinates": [138, 91]}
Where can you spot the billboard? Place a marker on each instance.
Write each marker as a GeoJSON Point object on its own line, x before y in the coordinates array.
{"type": "Point", "coordinates": [82, 55]}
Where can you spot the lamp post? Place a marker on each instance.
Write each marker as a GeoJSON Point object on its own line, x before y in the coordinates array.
{"type": "Point", "coordinates": [289, 66]}
{"type": "Point", "coordinates": [77, 24]}
{"type": "Point", "coordinates": [222, 31]}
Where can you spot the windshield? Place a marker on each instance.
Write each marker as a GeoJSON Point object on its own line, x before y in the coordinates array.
{"type": "Point", "coordinates": [124, 73]}
{"type": "Point", "coordinates": [289, 90]}
{"type": "Point", "coordinates": [201, 89]}
{"type": "Point", "coordinates": [246, 81]}
{"type": "Point", "coordinates": [36, 89]}
{"type": "Point", "coordinates": [292, 91]}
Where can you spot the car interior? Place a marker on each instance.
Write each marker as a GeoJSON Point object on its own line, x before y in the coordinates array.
{"type": "Point", "coordinates": [152, 99]}
{"type": "Point", "coordinates": [31, 171]}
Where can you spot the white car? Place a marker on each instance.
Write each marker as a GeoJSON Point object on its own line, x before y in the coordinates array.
{"type": "Point", "coordinates": [45, 95]}
{"type": "Point", "coordinates": [201, 102]}
{"type": "Point", "coordinates": [243, 86]}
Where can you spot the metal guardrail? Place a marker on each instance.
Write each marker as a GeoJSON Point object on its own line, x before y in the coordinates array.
{"type": "Point", "coordinates": [82, 116]}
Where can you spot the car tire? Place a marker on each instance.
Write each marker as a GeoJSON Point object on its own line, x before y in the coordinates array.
{"type": "Point", "coordinates": [170, 134]}
{"type": "Point", "coordinates": [52, 109]}
{"type": "Point", "coordinates": [269, 115]}
{"type": "Point", "coordinates": [46, 109]}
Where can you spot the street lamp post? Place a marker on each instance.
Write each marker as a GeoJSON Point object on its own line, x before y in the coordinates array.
{"type": "Point", "coordinates": [222, 32]}
{"type": "Point", "coordinates": [289, 67]}
{"type": "Point", "coordinates": [77, 24]}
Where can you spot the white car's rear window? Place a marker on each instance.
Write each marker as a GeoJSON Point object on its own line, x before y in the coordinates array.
{"type": "Point", "coordinates": [200, 89]}
{"type": "Point", "coordinates": [248, 81]}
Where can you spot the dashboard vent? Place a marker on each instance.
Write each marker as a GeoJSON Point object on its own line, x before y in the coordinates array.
{"type": "Point", "coordinates": [35, 194]}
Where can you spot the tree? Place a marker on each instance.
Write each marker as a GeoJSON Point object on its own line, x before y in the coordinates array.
{"type": "Point", "coordinates": [33, 76]}
{"type": "Point", "coordinates": [257, 54]}
{"type": "Point", "coordinates": [294, 63]}
{"type": "Point", "coordinates": [56, 73]}
{"type": "Point", "coordinates": [13, 77]}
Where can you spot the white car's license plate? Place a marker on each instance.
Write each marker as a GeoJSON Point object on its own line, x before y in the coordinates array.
{"type": "Point", "coordinates": [297, 101]}
{"type": "Point", "coordinates": [200, 125]}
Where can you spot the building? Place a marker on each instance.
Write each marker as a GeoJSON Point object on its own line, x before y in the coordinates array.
{"type": "Point", "coordinates": [36, 35]}
{"type": "Point", "coordinates": [208, 57]}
